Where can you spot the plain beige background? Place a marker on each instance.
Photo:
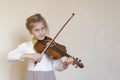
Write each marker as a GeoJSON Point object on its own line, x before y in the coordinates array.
{"type": "Point", "coordinates": [93, 35]}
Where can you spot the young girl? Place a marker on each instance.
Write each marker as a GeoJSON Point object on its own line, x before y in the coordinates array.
{"type": "Point", "coordinates": [44, 69]}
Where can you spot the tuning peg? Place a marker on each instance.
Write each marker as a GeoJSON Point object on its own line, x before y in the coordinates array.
{"type": "Point", "coordinates": [73, 57]}
{"type": "Point", "coordinates": [79, 60]}
{"type": "Point", "coordinates": [73, 63]}
{"type": "Point", "coordinates": [76, 58]}
{"type": "Point", "coordinates": [75, 66]}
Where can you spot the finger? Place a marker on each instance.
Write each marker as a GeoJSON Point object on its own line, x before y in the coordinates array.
{"type": "Point", "coordinates": [70, 60]}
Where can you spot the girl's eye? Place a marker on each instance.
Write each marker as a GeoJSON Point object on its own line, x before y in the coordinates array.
{"type": "Point", "coordinates": [42, 28]}
{"type": "Point", "coordinates": [37, 30]}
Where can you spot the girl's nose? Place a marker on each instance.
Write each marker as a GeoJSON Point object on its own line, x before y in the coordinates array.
{"type": "Point", "coordinates": [40, 32]}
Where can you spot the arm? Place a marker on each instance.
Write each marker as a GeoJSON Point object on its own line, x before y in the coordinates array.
{"type": "Point", "coordinates": [59, 65]}
{"type": "Point", "coordinates": [35, 57]}
{"type": "Point", "coordinates": [67, 62]}
{"type": "Point", "coordinates": [15, 55]}
{"type": "Point", "coordinates": [19, 54]}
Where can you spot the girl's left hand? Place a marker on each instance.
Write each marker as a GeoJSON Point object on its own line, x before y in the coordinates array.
{"type": "Point", "coordinates": [68, 61]}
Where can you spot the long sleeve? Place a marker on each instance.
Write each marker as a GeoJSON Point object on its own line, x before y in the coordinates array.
{"type": "Point", "coordinates": [15, 55]}
{"type": "Point", "coordinates": [57, 64]}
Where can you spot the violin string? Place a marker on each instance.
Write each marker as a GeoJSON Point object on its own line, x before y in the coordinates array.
{"type": "Point", "coordinates": [48, 45]}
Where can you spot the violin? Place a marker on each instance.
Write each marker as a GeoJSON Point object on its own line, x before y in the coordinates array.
{"type": "Point", "coordinates": [55, 50]}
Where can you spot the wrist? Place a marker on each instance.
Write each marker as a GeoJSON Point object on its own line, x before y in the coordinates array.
{"type": "Point", "coordinates": [24, 56]}
{"type": "Point", "coordinates": [65, 65]}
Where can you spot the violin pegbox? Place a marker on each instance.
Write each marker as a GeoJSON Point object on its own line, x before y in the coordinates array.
{"type": "Point", "coordinates": [77, 62]}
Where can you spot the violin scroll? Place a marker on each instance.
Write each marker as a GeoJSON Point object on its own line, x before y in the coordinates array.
{"type": "Point", "coordinates": [78, 63]}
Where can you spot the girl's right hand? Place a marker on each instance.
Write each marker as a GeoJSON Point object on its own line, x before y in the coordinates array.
{"type": "Point", "coordinates": [35, 57]}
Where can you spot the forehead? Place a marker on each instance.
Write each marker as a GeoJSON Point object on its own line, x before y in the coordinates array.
{"type": "Point", "coordinates": [38, 25]}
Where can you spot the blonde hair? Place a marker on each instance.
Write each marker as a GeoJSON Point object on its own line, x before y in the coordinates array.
{"type": "Point", "coordinates": [34, 19]}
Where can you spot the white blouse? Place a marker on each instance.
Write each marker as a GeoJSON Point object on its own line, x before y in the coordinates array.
{"type": "Point", "coordinates": [46, 64]}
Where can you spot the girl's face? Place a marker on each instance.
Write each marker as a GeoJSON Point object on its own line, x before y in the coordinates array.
{"type": "Point", "coordinates": [39, 31]}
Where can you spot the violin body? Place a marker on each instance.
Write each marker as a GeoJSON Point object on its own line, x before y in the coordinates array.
{"type": "Point", "coordinates": [53, 51]}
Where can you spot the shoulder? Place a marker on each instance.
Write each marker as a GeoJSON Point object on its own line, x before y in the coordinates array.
{"type": "Point", "coordinates": [25, 44]}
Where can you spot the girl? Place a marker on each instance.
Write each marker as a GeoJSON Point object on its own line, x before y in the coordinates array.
{"type": "Point", "coordinates": [44, 69]}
